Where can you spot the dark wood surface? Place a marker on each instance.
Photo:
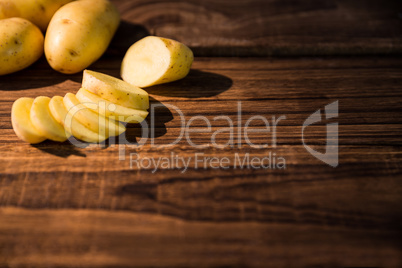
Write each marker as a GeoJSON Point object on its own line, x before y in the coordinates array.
{"type": "Point", "coordinates": [64, 206]}
{"type": "Point", "coordinates": [271, 27]}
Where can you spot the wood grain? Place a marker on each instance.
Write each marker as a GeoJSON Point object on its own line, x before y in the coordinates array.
{"type": "Point", "coordinates": [63, 206]}
{"type": "Point", "coordinates": [266, 27]}
{"type": "Point", "coordinates": [64, 238]}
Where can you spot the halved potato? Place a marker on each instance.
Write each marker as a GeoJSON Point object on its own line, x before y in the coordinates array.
{"type": "Point", "coordinates": [115, 90]}
{"type": "Point", "coordinates": [70, 123]}
{"type": "Point", "coordinates": [155, 60]}
{"type": "Point", "coordinates": [109, 109]}
{"type": "Point", "coordinates": [21, 121]}
{"type": "Point", "coordinates": [90, 119]}
{"type": "Point", "coordinates": [44, 122]}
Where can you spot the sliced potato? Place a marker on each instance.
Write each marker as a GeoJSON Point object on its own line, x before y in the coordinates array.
{"type": "Point", "coordinates": [71, 124]}
{"type": "Point", "coordinates": [57, 109]}
{"type": "Point", "coordinates": [115, 90]}
{"type": "Point", "coordinates": [155, 60]}
{"type": "Point", "coordinates": [95, 122]}
{"type": "Point", "coordinates": [109, 109]}
{"type": "Point", "coordinates": [21, 121]}
{"type": "Point", "coordinates": [44, 122]}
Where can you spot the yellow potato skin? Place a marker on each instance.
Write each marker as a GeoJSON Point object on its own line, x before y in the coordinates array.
{"type": "Point", "coordinates": [181, 59]}
{"type": "Point", "coordinates": [21, 44]}
{"type": "Point", "coordinates": [110, 109]}
{"type": "Point", "coordinates": [79, 34]}
{"type": "Point", "coordinates": [115, 90]}
{"type": "Point", "coordinates": [39, 12]}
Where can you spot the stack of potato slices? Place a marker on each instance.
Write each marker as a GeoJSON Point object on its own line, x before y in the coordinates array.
{"type": "Point", "coordinates": [93, 114]}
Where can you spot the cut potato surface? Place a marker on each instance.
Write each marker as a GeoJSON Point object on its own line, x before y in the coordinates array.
{"type": "Point", "coordinates": [109, 109]}
{"type": "Point", "coordinates": [71, 124]}
{"type": "Point", "coordinates": [155, 60]}
{"type": "Point", "coordinates": [21, 121]}
{"type": "Point", "coordinates": [90, 119]}
{"type": "Point", "coordinates": [115, 90]}
{"type": "Point", "coordinates": [44, 122]}
{"type": "Point", "coordinates": [57, 109]}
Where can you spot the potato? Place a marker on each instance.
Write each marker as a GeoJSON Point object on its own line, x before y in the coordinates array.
{"type": "Point", "coordinates": [71, 124]}
{"type": "Point", "coordinates": [39, 12]}
{"type": "Point", "coordinates": [21, 44]}
{"type": "Point", "coordinates": [109, 109]}
{"type": "Point", "coordinates": [21, 121]}
{"type": "Point", "coordinates": [155, 60]}
{"type": "Point", "coordinates": [115, 90]}
{"type": "Point", "coordinates": [44, 122]}
{"type": "Point", "coordinates": [90, 119]}
{"type": "Point", "coordinates": [79, 34]}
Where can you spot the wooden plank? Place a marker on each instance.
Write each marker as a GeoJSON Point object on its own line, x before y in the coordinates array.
{"type": "Point", "coordinates": [61, 205]}
{"type": "Point", "coordinates": [347, 195]}
{"type": "Point", "coordinates": [266, 27]}
{"type": "Point", "coordinates": [65, 238]}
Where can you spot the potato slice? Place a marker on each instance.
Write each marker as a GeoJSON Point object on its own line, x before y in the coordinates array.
{"type": "Point", "coordinates": [57, 109]}
{"type": "Point", "coordinates": [109, 109]}
{"type": "Point", "coordinates": [155, 60]}
{"type": "Point", "coordinates": [44, 122]}
{"type": "Point", "coordinates": [95, 122]}
{"type": "Point", "coordinates": [21, 121]}
{"type": "Point", "coordinates": [115, 90]}
{"type": "Point", "coordinates": [71, 124]}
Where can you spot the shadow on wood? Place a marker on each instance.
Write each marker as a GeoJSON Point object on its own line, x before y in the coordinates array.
{"type": "Point", "coordinates": [38, 75]}
{"type": "Point", "coordinates": [140, 189]}
{"type": "Point", "coordinates": [64, 149]}
{"type": "Point", "coordinates": [127, 34]}
{"type": "Point", "coordinates": [196, 84]}
{"type": "Point", "coordinates": [149, 129]}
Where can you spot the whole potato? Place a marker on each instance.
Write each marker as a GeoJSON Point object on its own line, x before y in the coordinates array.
{"type": "Point", "coordinates": [21, 44]}
{"type": "Point", "coordinates": [79, 34]}
{"type": "Point", "coordinates": [39, 12]}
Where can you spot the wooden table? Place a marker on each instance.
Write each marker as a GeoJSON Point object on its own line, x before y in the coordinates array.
{"type": "Point", "coordinates": [103, 206]}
